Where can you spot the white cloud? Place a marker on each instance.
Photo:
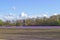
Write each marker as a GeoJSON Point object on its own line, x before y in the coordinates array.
{"type": "Point", "coordinates": [23, 14]}
{"type": "Point", "coordinates": [32, 16]}
{"type": "Point", "coordinates": [10, 16]}
{"type": "Point", "coordinates": [45, 15]}
{"type": "Point", "coordinates": [18, 17]}
{"type": "Point", "coordinates": [55, 13]}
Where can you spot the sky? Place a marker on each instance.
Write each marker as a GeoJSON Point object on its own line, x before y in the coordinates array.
{"type": "Point", "coordinates": [30, 7]}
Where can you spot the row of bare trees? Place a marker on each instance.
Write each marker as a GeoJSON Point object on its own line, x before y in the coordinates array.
{"type": "Point", "coordinates": [44, 21]}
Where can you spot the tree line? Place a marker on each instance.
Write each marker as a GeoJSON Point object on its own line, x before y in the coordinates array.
{"type": "Point", "coordinates": [53, 20]}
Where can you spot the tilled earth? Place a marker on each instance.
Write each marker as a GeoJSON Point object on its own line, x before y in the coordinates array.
{"type": "Point", "coordinates": [31, 36]}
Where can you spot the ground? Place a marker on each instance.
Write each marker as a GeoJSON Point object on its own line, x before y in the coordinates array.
{"type": "Point", "coordinates": [30, 34]}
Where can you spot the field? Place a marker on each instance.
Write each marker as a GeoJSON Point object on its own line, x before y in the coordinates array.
{"type": "Point", "coordinates": [30, 34]}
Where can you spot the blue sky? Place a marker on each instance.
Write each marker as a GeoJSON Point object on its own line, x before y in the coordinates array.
{"type": "Point", "coordinates": [30, 7]}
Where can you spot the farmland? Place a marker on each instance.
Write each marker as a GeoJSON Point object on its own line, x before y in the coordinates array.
{"type": "Point", "coordinates": [30, 33]}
